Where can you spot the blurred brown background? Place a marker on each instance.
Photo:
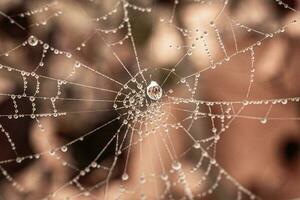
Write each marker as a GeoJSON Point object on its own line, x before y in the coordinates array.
{"type": "Point", "coordinates": [264, 158]}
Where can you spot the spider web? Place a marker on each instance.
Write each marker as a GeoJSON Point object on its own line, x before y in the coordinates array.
{"type": "Point", "coordinates": [104, 79]}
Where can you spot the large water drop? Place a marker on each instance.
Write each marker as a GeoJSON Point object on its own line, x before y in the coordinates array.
{"type": "Point", "coordinates": [154, 91]}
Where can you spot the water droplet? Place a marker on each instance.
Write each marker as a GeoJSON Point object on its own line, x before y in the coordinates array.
{"type": "Point", "coordinates": [164, 177]}
{"type": "Point", "coordinates": [176, 165]}
{"type": "Point", "coordinates": [131, 100]}
{"type": "Point", "coordinates": [214, 130]}
{"type": "Point", "coordinates": [46, 46]}
{"type": "Point", "coordinates": [64, 149]}
{"type": "Point", "coordinates": [82, 173]}
{"type": "Point", "coordinates": [263, 120]}
{"type": "Point", "coordinates": [196, 145]}
{"type": "Point", "coordinates": [19, 160]}
{"type": "Point", "coordinates": [69, 55]}
{"type": "Point", "coordinates": [119, 152]}
{"type": "Point", "coordinates": [245, 102]}
{"type": "Point", "coordinates": [52, 152]}
{"type": "Point", "coordinates": [77, 64]}
{"type": "Point", "coordinates": [142, 179]}
{"type": "Point", "coordinates": [284, 101]}
{"type": "Point", "coordinates": [154, 91]}
{"type": "Point", "coordinates": [125, 177]}
{"type": "Point", "coordinates": [32, 41]}
{"type": "Point", "coordinates": [213, 161]}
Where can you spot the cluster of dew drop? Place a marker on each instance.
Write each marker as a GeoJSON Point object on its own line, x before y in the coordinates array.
{"type": "Point", "coordinates": [137, 94]}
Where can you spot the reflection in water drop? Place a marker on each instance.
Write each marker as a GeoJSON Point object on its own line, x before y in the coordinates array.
{"type": "Point", "coordinates": [154, 91]}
